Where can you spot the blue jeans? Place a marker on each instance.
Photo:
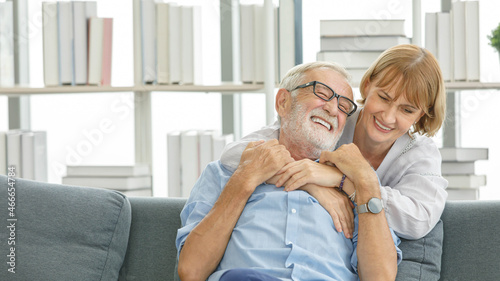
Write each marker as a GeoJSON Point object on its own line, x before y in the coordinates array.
{"type": "Point", "coordinates": [246, 274]}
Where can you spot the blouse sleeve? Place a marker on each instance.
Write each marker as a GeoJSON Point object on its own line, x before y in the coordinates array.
{"type": "Point", "coordinates": [231, 154]}
{"type": "Point", "coordinates": [414, 193]}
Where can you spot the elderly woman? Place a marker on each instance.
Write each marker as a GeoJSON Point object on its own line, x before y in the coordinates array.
{"type": "Point", "coordinates": [403, 104]}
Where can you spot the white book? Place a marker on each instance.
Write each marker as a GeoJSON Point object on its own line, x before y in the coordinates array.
{"type": "Point", "coordinates": [148, 33]}
{"type": "Point", "coordinates": [66, 55]}
{"type": "Point", "coordinates": [463, 154]}
{"type": "Point", "coordinates": [431, 33]}
{"type": "Point", "coordinates": [191, 57]}
{"type": "Point", "coordinates": [247, 44]}
{"type": "Point", "coordinates": [465, 181]}
{"type": "Point", "coordinates": [136, 17]}
{"type": "Point", "coordinates": [116, 183]}
{"type": "Point", "coordinates": [82, 11]}
{"type": "Point", "coordinates": [219, 142]}
{"type": "Point", "coordinates": [174, 163]}
{"type": "Point", "coordinates": [444, 45]}
{"type": "Point", "coordinates": [375, 27]}
{"type": "Point", "coordinates": [189, 161]}
{"type": "Point", "coordinates": [286, 35]}
{"type": "Point", "coordinates": [162, 45]}
{"type": "Point", "coordinates": [457, 168]}
{"type": "Point", "coordinates": [462, 194]}
{"type": "Point", "coordinates": [276, 46]}
{"type": "Point", "coordinates": [108, 170]}
{"type": "Point", "coordinates": [96, 37]}
{"type": "Point", "coordinates": [174, 43]}
{"type": "Point", "coordinates": [50, 44]}
{"type": "Point", "coordinates": [34, 155]}
{"type": "Point", "coordinates": [7, 72]}
{"type": "Point", "coordinates": [351, 59]}
{"type": "Point", "coordinates": [258, 41]}
{"type": "Point", "coordinates": [459, 41]}
{"type": "Point", "coordinates": [472, 40]}
{"type": "Point", "coordinates": [21, 41]}
{"type": "Point", "coordinates": [206, 148]}
{"type": "Point", "coordinates": [14, 154]}
{"type": "Point", "coordinates": [362, 43]}
{"type": "Point", "coordinates": [3, 153]}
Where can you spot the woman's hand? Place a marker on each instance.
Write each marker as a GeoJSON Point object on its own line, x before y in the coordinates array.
{"type": "Point", "coordinates": [299, 173]}
{"type": "Point", "coordinates": [336, 204]}
{"type": "Point", "coordinates": [349, 160]}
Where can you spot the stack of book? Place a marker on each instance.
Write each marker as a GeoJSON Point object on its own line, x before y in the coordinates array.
{"type": "Point", "coordinates": [77, 45]}
{"type": "Point", "coordinates": [131, 180]}
{"type": "Point", "coordinates": [170, 42]}
{"type": "Point", "coordinates": [454, 39]}
{"type": "Point", "coordinates": [6, 44]}
{"type": "Point", "coordinates": [356, 44]}
{"type": "Point", "coordinates": [287, 35]}
{"type": "Point", "coordinates": [188, 153]}
{"type": "Point", "coordinates": [458, 168]}
{"type": "Point", "coordinates": [25, 152]}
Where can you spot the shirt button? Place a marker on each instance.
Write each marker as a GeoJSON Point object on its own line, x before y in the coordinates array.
{"type": "Point", "coordinates": [294, 211]}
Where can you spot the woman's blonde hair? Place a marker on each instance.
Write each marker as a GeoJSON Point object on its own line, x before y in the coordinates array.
{"type": "Point", "coordinates": [414, 72]}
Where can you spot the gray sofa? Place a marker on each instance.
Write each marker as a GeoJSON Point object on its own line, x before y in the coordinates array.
{"type": "Point", "coordinates": [76, 233]}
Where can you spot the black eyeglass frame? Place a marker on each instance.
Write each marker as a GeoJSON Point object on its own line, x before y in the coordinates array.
{"type": "Point", "coordinates": [335, 95]}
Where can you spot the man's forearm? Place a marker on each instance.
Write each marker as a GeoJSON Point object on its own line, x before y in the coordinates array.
{"type": "Point", "coordinates": [205, 245]}
{"type": "Point", "coordinates": [377, 256]}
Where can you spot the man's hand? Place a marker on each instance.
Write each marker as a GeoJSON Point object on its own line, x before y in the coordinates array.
{"type": "Point", "coordinates": [262, 160]}
{"type": "Point", "coordinates": [319, 180]}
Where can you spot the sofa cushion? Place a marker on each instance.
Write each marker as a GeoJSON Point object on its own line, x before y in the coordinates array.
{"type": "Point", "coordinates": [64, 232]}
{"type": "Point", "coordinates": [422, 257]}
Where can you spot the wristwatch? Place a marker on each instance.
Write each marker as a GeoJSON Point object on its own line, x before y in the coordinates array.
{"type": "Point", "coordinates": [373, 206]}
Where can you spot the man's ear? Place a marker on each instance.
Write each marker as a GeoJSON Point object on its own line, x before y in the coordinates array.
{"type": "Point", "coordinates": [283, 102]}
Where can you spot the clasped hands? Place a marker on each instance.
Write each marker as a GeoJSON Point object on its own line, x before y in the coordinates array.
{"type": "Point", "coordinates": [271, 162]}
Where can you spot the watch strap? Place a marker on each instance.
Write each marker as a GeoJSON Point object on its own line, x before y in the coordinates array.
{"type": "Point", "coordinates": [362, 208]}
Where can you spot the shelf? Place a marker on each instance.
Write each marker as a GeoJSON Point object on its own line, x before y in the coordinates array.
{"type": "Point", "coordinates": [228, 88]}
{"type": "Point", "coordinates": [457, 86]}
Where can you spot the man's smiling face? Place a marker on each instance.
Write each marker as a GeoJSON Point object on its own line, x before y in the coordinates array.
{"type": "Point", "coordinates": [311, 123]}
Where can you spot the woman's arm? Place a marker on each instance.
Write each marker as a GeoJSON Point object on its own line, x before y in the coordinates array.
{"type": "Point", "coordinates": [231, 155]}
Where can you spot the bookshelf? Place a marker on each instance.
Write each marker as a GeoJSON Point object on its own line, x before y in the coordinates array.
{"type": "Point", "coordinates": [19, 96]}
{"type": "Point", "coordinates": [227, 88]}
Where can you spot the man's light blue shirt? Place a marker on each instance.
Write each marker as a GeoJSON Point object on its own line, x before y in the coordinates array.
{"type": "Point", "coordinates": [288, 235]}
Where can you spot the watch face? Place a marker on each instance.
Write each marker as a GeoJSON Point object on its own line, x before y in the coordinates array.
{"type": "Point", "coordinates": [375, 205]}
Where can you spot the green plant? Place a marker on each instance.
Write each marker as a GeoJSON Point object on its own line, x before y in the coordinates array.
{"type": "Point", "coordinates": [495, 38]}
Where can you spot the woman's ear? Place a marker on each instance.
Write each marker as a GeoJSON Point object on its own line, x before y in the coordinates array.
{"type": "Point", "coordinates": [283, 102]}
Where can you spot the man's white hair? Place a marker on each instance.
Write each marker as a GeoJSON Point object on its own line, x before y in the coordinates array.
{"type": "Point", "coordinates": [295, 76]}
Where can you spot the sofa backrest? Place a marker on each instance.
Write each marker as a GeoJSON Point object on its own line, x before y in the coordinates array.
{"type": "Point", "coordinates": [470, 248]}
{"type": "Point", "coordinates": [151, 253]}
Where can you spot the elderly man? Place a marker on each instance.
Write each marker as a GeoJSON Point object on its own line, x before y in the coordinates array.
{"type": "Point", "coordinates": [235, 226]}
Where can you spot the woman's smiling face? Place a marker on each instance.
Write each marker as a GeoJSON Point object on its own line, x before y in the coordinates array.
{"type": "Point", "coordinates": [386, 118]}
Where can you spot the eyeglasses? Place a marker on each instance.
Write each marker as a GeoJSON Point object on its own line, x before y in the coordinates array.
{"type": "Point", "coordinates": [326, 93]}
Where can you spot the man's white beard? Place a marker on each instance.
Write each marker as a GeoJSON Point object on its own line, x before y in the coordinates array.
{"type": "Point", "coordinates": [303, 134]}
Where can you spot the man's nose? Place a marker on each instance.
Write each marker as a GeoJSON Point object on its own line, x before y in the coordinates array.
{"type": "Point", "coordinates": [332, 107]}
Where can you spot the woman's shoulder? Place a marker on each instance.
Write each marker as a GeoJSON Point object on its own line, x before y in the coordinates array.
{"type": "Point", "coordinates": [421, 146]}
